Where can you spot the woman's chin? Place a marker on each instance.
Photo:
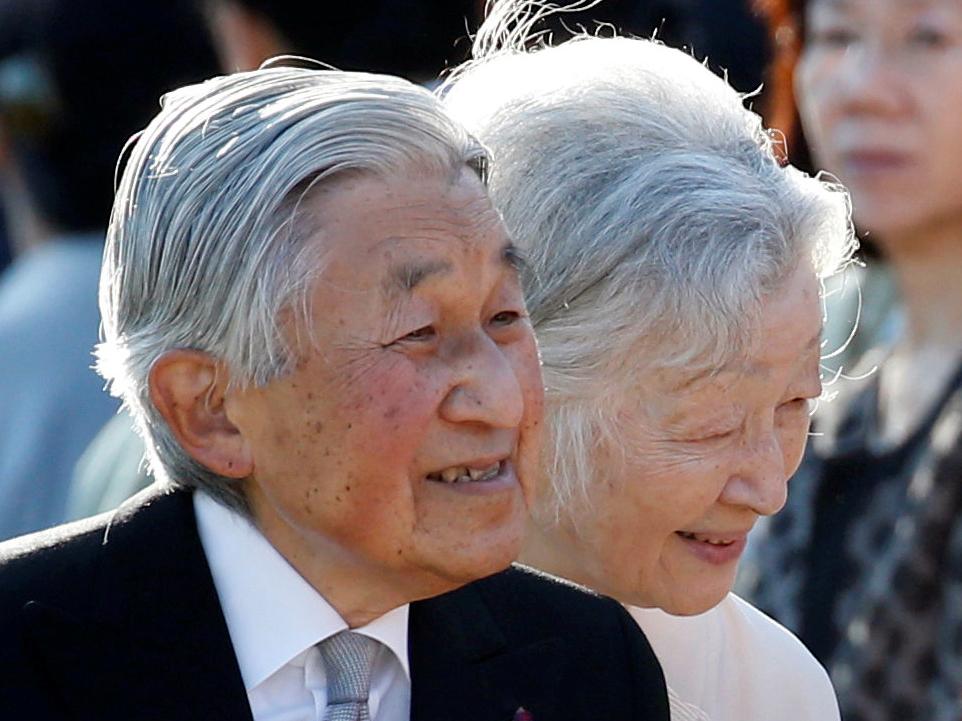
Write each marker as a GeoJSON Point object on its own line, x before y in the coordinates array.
{"type": "Point", "coordinates": [693, 601]}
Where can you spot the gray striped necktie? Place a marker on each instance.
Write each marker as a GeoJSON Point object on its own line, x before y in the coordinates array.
{"type": "Point", "coordinates": [348, 658]}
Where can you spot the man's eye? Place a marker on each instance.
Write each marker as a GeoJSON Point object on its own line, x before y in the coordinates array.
{"type": "Point", "coordinates": [423, 333]}
{"type": "Point", "coordinates": [505, 317]}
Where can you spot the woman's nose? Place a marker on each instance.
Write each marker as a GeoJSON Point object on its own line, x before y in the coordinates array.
{"type": "Point", "coordinates": [760, 482]}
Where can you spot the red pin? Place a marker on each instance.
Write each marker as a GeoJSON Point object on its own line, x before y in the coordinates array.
{"type": "Point", "coordinates": [522, 714]}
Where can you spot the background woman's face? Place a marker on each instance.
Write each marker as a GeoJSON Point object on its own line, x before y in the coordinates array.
{"type": "Point", "coordinates": [701, 460]}
{"type": "Point", "coordinates": [879, 88]}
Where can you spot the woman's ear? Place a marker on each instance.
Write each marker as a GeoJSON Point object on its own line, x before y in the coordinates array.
{"type": "Point", "coordinates": [188, 388]}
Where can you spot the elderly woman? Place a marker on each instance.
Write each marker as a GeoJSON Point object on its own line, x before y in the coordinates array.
{"type": "Point", "coordinates": [673, 282]}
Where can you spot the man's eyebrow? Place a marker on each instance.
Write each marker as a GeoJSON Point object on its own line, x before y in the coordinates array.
{"type": "Point", "coordinates": [405, 276]}
{"type": "Point", "coordinates": [408, 275]}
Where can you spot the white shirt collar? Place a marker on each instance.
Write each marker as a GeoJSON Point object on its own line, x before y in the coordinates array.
{"type": "Point", "coordinates": [273, 614]}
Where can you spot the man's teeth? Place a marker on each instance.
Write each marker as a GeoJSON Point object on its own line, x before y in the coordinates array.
{"type": "Point", "coordinates": [465, 474]}
{"type": "Point", "coordinates": [452, 474]}
{"type": "Point", "coordinates": [712, 541]}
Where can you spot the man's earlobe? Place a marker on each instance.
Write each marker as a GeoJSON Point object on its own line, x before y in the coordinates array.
{"type": "Point", "coordinates": [188, 388]}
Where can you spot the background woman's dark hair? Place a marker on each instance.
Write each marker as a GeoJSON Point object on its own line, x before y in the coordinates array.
{"type": "Point", "coordinates": [785, 22]}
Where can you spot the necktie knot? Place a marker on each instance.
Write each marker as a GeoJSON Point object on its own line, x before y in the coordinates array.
{"type": "Point", "coordinates": [348, 658]}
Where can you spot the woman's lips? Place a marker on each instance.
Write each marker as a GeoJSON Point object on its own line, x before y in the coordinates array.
{"type": "Point", "coordinates": [869, 163]}
{"type": "Point", "coordinates": [715, 548]}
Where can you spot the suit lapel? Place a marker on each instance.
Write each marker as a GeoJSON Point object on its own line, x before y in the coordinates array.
{"type": "Point", "coordinates": [463, 667]}
{"type": "Point", "coordinates": [153, 644]}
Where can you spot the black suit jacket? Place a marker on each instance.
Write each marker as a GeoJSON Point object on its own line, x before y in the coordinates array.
{"type": "Point", "coordinates": [117, 617]}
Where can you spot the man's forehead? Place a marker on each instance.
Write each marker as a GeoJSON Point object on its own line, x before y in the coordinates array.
{"type": "Point", "coordinates": [404, 275]}
{"type": "Point", "coordinates": [395, 232]}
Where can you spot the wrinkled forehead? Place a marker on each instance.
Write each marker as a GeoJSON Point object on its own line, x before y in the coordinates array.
{"type": "Point", "coordinates": [394, 232]}
{"type": "Point", "coordinates": [786, 341]}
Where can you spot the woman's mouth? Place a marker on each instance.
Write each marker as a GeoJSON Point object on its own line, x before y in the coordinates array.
{"type": "Point", "coordinates": [871, 163]}
{"type": "Point", "coordinates": [715, 548]}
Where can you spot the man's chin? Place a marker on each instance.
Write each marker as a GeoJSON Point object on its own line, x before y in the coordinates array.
{"type": "Point", "coordinates": [456, 571]}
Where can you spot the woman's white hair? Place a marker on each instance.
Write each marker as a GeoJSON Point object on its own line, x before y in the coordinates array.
{"type": "Point", "coordinates": [206, 247]}
{"type": "Point", "coordinates": [651, 207]}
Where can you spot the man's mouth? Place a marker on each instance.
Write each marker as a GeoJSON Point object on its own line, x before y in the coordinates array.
{"type": "Point", "coordinates": [467, 474]}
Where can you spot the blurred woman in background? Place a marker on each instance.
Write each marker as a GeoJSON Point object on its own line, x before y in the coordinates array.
{"type": "Point", "coordinates": [865, 562]}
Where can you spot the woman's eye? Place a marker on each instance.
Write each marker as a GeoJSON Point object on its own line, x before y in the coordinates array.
{"type": "Point", "coordinates": [720, 435]}
{"type": "Point", "coordinates": [796, 404]}
{"type": "Point", "coordinates": [837, 37]}
{"type": "Point", "coordinates": [505, 317]}
{"type": "Point", "coordinates": [927, 38]}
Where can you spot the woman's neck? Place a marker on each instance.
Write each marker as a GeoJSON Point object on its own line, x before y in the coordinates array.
{"type": "Point", "coordinates": [928, 268]}
{"type": "Point", "coordinates": [555, 549]}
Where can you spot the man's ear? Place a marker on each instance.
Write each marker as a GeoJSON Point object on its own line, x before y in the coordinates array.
{"type": "Point", "coordinates": [188, 387]}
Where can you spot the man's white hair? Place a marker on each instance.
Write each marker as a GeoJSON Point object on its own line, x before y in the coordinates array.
{"type": "Point", "coordinates": [207, 248]}
{"type": "Point", "coordinates": [651, 207]}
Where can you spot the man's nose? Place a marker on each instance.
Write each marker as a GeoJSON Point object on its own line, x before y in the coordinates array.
{"type": "Point", "coordinates": [760, 481]}
{"type": "Point", "coordinates": [486, 389]}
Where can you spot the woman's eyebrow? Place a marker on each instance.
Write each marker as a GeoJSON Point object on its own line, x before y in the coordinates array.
{"type": "Point", "coordinates": [513, 257]}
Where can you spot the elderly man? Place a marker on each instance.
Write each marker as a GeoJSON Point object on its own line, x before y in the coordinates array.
{"type": "Point", "coordinates": [314, 314]}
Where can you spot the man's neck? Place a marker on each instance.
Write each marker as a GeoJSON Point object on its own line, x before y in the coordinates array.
{"type": "Point", "coordinates": [358, 592]}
